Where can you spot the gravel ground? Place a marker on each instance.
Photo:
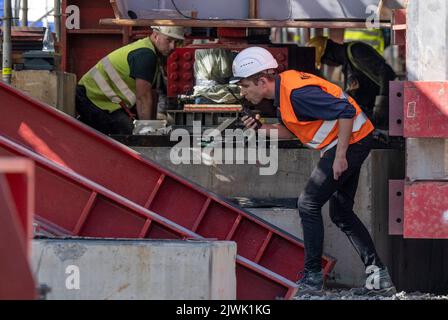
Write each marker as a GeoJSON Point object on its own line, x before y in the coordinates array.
{"type": "Point", "coordinates": [338, 294]}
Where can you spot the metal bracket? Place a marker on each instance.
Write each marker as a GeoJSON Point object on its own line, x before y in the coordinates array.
{"type": "Point", "coordinates": [396, 207]}
{"type": "Point", "coordinates": [396, 100]}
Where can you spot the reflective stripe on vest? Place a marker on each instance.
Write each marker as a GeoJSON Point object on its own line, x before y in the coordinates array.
{"type": "Point", "coordinates": [367, 72]}
{"type": "Point", "coordinates": [373, 38]}
{"type": "Point", "coordinates": [328, 126]}
{"type": "Point", "coordinates": [104, 86]}
{"type": "Point", "coordinates": [116, 79]}
{"type": "Point", "coordinates": [357, 124]}
{"type": "Point", "coordinates": [317, 134]}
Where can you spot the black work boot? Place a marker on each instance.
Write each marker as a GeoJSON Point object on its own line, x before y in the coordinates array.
{"type": "Point", "coordinates": [311, 283]}
{"type": "Point", "coordinates": [378, 283]}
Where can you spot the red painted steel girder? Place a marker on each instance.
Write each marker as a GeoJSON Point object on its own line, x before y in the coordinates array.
{"type": "Point", "coordinates": [426, 210]}
{"type": "Point", "coordinates": [83, 150]}
{"type": "Point", "coordinates": [16, 183]}
{"type": "Point", "coordinates": [425, 109]}
{"type": "Point", "coordinates": [91, 210]}
{"type": "Point", "coordinates": [19, 173]}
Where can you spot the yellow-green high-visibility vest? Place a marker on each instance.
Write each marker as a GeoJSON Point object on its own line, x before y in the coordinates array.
{"type": "Point", "coordinates": [373, 37]}
{"type": "Point", "coordinates": [109, 85]}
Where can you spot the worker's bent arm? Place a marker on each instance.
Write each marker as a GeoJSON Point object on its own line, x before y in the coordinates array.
{"type": "Point", "coordinates": [283, 132]}
{"type": "Point", "coordinates": [145, 103]}
{"type": "Point", "coordinates": [340, 161]}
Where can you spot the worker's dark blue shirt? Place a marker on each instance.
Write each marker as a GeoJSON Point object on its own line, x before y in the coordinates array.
{"type": "Point", "coordinates": [312, 103]}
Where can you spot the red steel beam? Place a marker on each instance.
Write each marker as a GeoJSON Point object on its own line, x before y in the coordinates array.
{"type": "Point", "coordinates": [426, 109]}
{"type": "Point", "coordinates": [91, 210]}
{"type": "Point", "coordinates": [19, 173]}
{"type": "Point", "coordinates": [426, 210]}
{"type": "Point", "coordinates": [106, 162]}
{"type": "Point", "coordinates": [16, 279]}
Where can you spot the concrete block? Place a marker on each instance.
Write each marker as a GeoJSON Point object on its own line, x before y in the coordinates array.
{"type": "Point", "coordinates": [426, 159]}
{"type": "Point", "coordinates": [244, 180]}
{"type": "Point", "coordinates": [136, 269]}
{"type": "Point", "coordinates": [427, 40]}
{"type": "Point", "coordinates": [54, 88]}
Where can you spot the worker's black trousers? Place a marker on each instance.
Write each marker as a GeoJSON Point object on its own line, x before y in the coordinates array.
{"type": "Point", "coordinates": [322, 187]}
{"type": "Point", "coordinates": [117, 122]}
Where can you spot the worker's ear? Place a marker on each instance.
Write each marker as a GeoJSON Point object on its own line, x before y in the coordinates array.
{"type": "Point", "coordinates": [262, 81]}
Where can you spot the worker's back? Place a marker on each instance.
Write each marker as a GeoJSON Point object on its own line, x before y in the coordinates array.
{"type": "Point", "coordinates": [371, 72]}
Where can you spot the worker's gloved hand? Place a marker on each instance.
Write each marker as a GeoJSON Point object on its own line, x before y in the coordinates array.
{"type": "Point", "coordinates": [381, 112]}
{"type": "Point", "coordinates": [382, 136]}
{"type": "Point", "coordinates": [352, 85]}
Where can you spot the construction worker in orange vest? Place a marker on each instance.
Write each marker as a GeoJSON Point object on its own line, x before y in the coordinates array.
{"type": "Point", "coordinates": [324, 118]}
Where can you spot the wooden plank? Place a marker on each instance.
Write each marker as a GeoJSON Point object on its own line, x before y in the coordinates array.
{"type": "Point", "coordinates": [94, 31]}
{"type": "Point", "coordinates": [66, 93]}
{"type": "Point", "coordinates": [249, 23]}
{"type": "Point", "coordinates": [213, 107]}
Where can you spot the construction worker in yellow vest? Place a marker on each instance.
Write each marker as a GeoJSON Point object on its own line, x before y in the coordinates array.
{"type": "Point", "coordinates": [120, 88]}
{"type": "Point", "coordinates": [366, 74]}
{"type": "Point", "coordinates": [323, 117]}
{"type": "Point", "coordinates": [373, 37]}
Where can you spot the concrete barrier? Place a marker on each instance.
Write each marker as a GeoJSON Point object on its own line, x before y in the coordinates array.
{"type": "Point", "coordinates": [136, 269]}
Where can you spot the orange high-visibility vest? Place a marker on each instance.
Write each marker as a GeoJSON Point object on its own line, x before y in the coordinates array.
{"type": "Point", "coordinates": [317, 134]}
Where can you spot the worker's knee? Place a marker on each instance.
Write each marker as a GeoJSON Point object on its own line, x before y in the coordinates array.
{"type": "Point", "coordinates": [307, 205]}
{"type": "Point", "coordinates": [341, 212]}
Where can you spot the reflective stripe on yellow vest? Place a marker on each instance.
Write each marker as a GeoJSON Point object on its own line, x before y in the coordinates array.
{"type": "Point", "coordinates": [108, 84]}
{"type": "Point", "coordinates": [366, 71]}
{"type": "Point", "coordinates": [317, 134]}
{"type": "Point", "coordinates": [373, 37]}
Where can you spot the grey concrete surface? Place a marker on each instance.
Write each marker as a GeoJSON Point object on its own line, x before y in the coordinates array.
{"type": "Point", "coordinates": [135, 269]}
{"type": "Point", "coordinates": [427, 159]}
{"type": "Point", "coordinates": [427, 40]}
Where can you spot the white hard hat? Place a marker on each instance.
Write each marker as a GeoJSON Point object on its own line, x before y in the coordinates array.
{"type": "Point", "coordinates": [251, 61]}
{"type": "Point", "coordinates": [173, 32]}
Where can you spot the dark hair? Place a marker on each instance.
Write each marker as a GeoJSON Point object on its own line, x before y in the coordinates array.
{"type": "Point", "coordinates": [268, 74]}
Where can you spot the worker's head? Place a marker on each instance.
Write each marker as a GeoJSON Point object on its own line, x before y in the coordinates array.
{"type": "Point", "coordinates": [320, 45]}
{"type": "Point", "coordinates": [254, 70]}
{"type": "Point", "coordinates": [165, 39]}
